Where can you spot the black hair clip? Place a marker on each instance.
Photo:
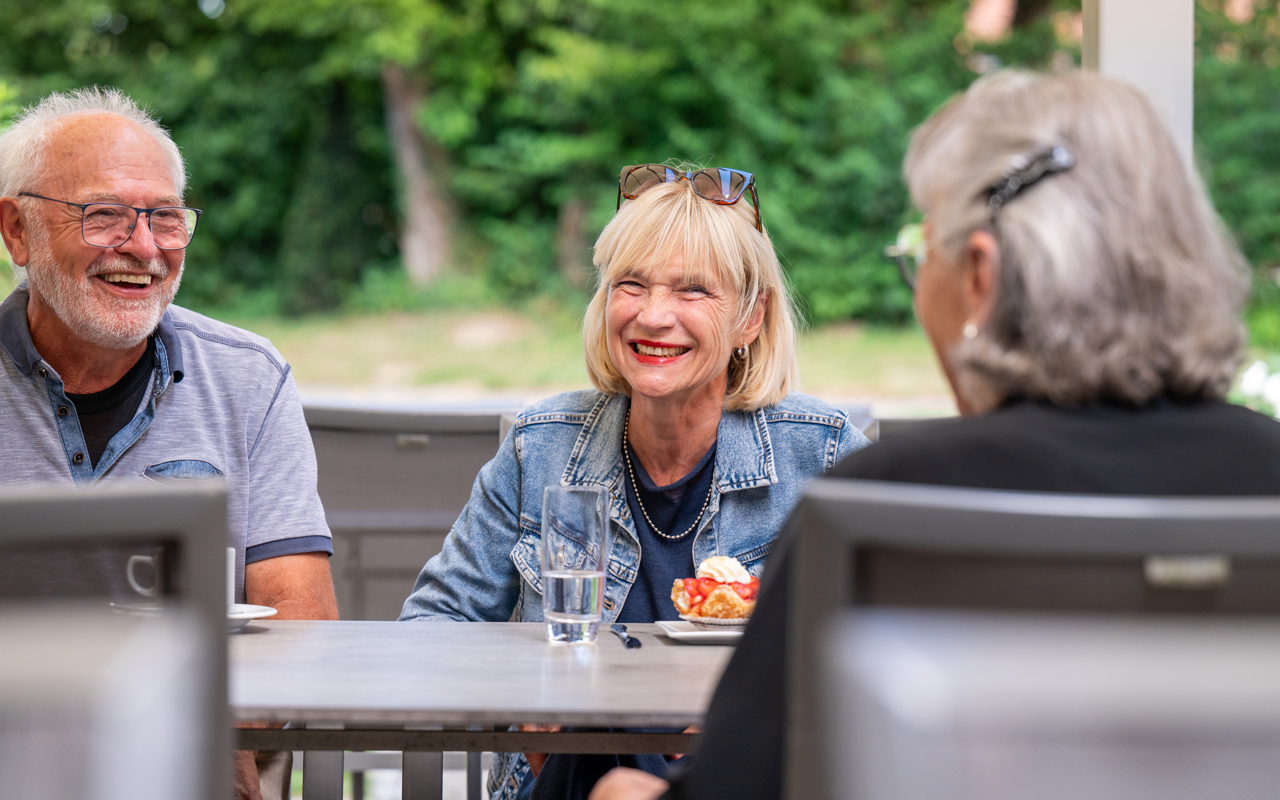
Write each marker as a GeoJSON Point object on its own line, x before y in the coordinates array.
{"type": "Point", "coordinates": [1025, 171]}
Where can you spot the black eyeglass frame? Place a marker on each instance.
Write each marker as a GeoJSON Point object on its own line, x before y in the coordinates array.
{"type": "Point", "coordinates": [687, 175]}
{"type": "Point", "coordinates": [138, 212]}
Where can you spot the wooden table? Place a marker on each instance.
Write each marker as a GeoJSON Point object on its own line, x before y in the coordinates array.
{"type": "Point", "coordinates": [427, 687]}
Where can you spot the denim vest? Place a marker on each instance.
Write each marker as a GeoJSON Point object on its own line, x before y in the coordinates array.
{"type": "Point", "coordinates": [489, 569]}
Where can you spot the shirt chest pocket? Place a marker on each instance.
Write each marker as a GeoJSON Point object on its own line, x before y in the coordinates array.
{"type": "Point", "coordinates": [182, 470]}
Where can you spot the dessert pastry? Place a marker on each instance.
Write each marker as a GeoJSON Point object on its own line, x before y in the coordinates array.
{"type": "Point", "coordinates": [721, 589]}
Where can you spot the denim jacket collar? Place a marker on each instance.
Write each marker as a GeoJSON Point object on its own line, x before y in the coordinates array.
{"type": "Point", "coordinates": [744, 454]}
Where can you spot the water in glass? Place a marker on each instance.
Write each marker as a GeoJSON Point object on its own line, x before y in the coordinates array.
{"type": "Point", "coordinates": [575, 550]}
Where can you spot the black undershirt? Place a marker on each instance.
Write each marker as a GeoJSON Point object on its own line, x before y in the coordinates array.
{"type": "Point", "coordinates": [674, 508]}
{"type": "Point", "coordinates": [103, 414]}
{"type": "Point", "coordinates": [1168, 448]}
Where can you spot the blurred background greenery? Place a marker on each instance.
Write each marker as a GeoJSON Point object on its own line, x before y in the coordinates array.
{"type": "Point", "coordinates": [382, 155]}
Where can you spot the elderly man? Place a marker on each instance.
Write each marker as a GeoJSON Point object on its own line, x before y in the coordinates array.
{"type": "Point", "coordinates": [102, 379]}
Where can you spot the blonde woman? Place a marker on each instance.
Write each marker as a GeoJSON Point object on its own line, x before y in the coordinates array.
{"type": "Point", "coordinates": [693, 428]}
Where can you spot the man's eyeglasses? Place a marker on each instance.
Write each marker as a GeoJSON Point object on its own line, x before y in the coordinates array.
{"type": "Point", "coordinates": [111, 224]}
{"type": "Point", "coordinates": [721, 186]}
{"type": "Point", "coordinates": [910, 249]}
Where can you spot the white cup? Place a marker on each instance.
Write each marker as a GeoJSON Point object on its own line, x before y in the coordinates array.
{"type": "Point", "coordinates": [145, 591]}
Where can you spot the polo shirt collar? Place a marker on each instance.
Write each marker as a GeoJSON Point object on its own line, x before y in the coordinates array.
{"type": "Point", "coordinates": [168, 336]}
{"type": "Point", "coordinates": [15, 335]}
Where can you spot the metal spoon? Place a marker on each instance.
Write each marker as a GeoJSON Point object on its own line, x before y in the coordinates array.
{"type": "Point", "coordinates": [630, 641]}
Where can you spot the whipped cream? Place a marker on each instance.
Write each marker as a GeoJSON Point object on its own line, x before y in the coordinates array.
{"type": "Point", "coordinates": [725, 569]}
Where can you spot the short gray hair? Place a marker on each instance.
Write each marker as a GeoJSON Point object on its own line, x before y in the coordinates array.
{"type": "Point", "coordinates": [1117, 280]}
{"type": "Point", "coordinates": [22, 144]}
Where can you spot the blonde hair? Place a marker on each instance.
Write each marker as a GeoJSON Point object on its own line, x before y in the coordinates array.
{"type": "Point", "coordinates": [1116, 279]}
{"type": "Point", "coordinates": [670, 221]}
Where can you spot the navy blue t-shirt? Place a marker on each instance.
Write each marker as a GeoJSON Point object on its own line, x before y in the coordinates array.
{"type": "Point", "coordinates": [673, 509]}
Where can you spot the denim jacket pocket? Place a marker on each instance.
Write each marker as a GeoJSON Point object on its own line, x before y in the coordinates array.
{"type": "Point", "coordinates": [753, 560]}
{"type": "Point", "coordinates": [527, 557]}
{"type": "Point", "coordinates": [183, 470]}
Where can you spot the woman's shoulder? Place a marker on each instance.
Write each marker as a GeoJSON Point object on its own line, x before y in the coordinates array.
{"type": "Point", "coordinates": [805, 409]}
{"type": "Point", "coordinates": [568, 407]}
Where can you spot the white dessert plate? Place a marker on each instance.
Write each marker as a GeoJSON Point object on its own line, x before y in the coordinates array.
{"type": "Point", "coordinates": [718, 622]}
{"type": "Point", "coordinates": [240, 614]}
{"type": "Point", "coordinates": [696, 633]}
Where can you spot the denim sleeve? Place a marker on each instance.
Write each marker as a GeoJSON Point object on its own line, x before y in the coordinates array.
{"type": "Point", "coordinates": [473, 579]}
{"type": "Point", "coordinates": [848, 440]}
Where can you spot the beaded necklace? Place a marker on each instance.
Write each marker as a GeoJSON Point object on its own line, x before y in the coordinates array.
{"type": "Point", "coordinates": [635, 486]}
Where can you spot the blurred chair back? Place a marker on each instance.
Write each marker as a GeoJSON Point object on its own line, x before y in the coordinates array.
{"type": "Point", "coordinates": [96, 705]}
{"type": "Point", "coordinates": [392, 484]}
{"type": "Point", "coordinates": [993, 706]}
{"type": "Point", "coordinates": [113, 612]}
{"type": "Point", "coordinates": [866, 544]}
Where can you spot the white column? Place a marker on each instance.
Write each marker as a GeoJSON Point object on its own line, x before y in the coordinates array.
{"type": "Point", "coordinates": [1150, 44]}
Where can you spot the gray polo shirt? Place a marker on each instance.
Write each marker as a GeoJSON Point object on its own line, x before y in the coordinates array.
{"type": "Point", "coordinates": [221, 403]}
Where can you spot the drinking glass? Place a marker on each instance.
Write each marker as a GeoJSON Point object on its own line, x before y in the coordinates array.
{"type": "Point", "coordinates": [575, 552]}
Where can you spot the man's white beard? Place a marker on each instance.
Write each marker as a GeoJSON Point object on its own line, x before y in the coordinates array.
{"type": "Point", "coordinates": [98, 318]}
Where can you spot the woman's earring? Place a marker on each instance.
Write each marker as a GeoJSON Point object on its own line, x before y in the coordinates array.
{"type": "Point", "coordinates": [969, 330]}
{"type": "Point", "coordinates": [742, 353]}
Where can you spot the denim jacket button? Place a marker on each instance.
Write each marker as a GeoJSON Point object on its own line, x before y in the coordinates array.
{"type": "Point", "coordinates": [63, 411]}
{"type": "Point", "coordinates": [44, 373]}
{"type": "Point", "coordinates": [78, 458]}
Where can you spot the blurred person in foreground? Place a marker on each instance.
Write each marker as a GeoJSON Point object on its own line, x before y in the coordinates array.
{"type": "Point", "coordinates": [694, 431]}
{"type": "Point", "coordinates": [102, 379]}
{"type": "Point", "coordinates": [1083, 300]}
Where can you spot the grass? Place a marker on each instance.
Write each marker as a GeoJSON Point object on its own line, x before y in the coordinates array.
{"type": "Point", "coordinates": [539, 352]}
{"type": "Point", "coordinates": [450, 354]}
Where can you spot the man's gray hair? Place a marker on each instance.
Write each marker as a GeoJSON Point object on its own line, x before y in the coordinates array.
{"type": "Point", "coordinates": [22, 144]}
{"type": "Point", "coordinates": [1116, 279]}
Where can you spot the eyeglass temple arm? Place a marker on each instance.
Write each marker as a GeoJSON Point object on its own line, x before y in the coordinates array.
{"type": "Point", "coordinates": [755, 201]}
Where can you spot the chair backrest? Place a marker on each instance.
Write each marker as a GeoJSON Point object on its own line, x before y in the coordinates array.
{"type": "Point", "coordinates": [868, 543]}
{"type": "Point", "coordinates": [96, 705]}
{"type": "Point", "coordinates": [62, 545]}
{"type": "Point", "coordinates": [392, 484]}
{"type": "Point", "coordinates": [998, 706]}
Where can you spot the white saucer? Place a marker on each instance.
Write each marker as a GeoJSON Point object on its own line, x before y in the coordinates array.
{"type": "Point", "coordinates": [695, 633]}
{"type": "Point", "coordinates": [240, 614]}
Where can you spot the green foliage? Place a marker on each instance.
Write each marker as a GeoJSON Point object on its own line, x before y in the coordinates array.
{"type": "Point", "coordinates": [281, 229]}
{"type": "Point", "coordinates": [1237, 131]}
{"type": "Point", "coordinates": [816, 98]}
{"type": "Point", "coordinates": [533, 104]}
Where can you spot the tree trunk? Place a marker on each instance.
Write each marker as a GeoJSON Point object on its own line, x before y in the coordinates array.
{"type": "Point", "coordinates": [571, 248]}
{"type": "Point", "coordinates": [425, 237]}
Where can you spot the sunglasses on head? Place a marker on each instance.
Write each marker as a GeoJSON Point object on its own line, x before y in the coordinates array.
{"type": "Point", "coordinates": [721, 186]}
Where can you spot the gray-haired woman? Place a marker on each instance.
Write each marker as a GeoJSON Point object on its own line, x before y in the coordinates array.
{"type": "Point", "coordinates": [1083, 302]}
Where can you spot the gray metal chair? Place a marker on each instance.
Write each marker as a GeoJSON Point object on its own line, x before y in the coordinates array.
{"type": "Point", "coordinates": [392, 484]}
{"type": "Point", "coordinates": [63, 553]}
{"type": "Point", "coordinates": [864, 544]}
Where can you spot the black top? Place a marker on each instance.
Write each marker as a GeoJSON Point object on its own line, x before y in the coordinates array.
{"type": "Point", "coordinates": [1167, 448]}
{"type": "Point", "coordinates": [103, 414]}
{"type": "Point", "coordinates": [673, 508]}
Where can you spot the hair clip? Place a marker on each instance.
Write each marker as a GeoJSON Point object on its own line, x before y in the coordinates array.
{"type": "Point", "coordinates": [1025, 171]}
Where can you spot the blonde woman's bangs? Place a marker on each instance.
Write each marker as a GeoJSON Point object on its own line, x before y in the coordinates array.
{"type": "Point", "coordinates": [714, 243]}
